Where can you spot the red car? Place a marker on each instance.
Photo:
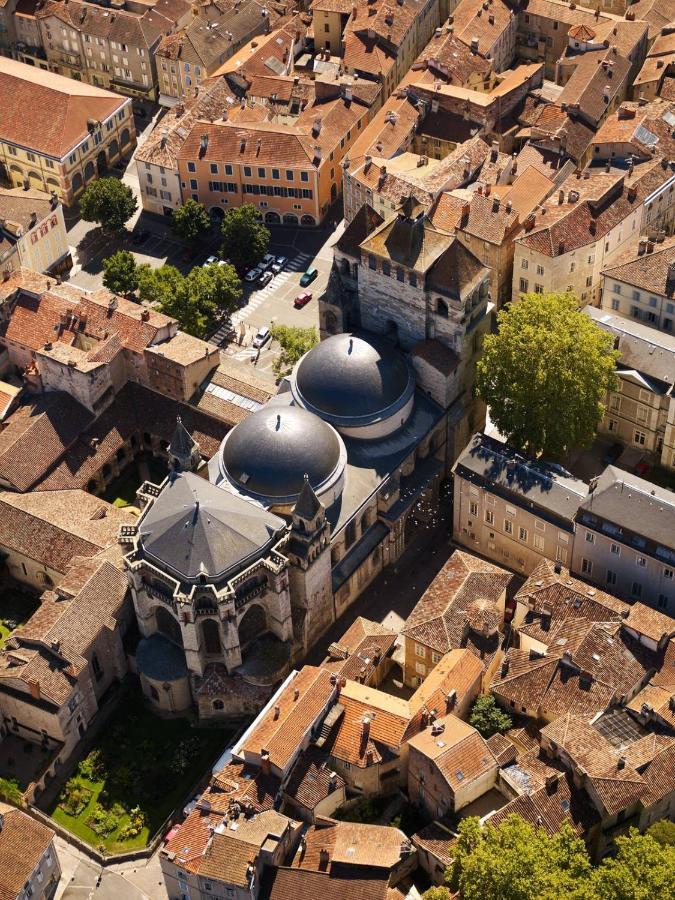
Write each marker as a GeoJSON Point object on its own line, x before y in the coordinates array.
{"type": "Point", "coordinates": [302, 299]}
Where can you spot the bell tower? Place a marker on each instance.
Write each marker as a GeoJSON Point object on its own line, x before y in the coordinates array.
{"type": "Point", "coordinates": [184, 450]}
{"type": "Point", "coordinates": [309, 574]}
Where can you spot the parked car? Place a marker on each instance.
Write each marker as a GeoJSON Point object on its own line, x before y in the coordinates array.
{"type": "Point", "coordinates": [265, 278]}
{"type": "Point", "coordinates": [308, 276]}
{"type": "Point", "coordinates": [266, 262]}
{"type": "Point", "coordinates": [214, 259]}
{"type": "Point", "coordinates": [302, 299]}
{"type": "Point", "coordinates": [253, 274]}
{"type": "Point", "coordinates": [279, 264]}
{"type": "Point", "coordinates": [263, 337]}
{"type": "Point", "coordinates": [613, 454]}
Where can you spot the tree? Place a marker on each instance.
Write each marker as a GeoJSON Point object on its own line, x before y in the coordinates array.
{"type": "Point", "coordinates": [514, 861]}
{"type": "Point", "coordinates": [10, 791]}
{"type": "Point", "coordinates": [158, 285]}
{"type": "Point", "coordinates": [190, 220]}
{"type": "Point", "coordinates": [436, 893]}
{"type": "Point", "coordinates": [120, 272]}
{"type": "Point", "coordinates": [642, 869]}
{"type": "Point", "coordinates": [218, 285]}
{"type": "Point", "coordinates": [545, 374]}
{"type": "Point", "coordinates": [295, 342]}
{"type": "Point", "coordinates": [245, 239]}
{"type": "Point", "coordinates": [487, 718]}
{"type": "Point", "coordinates": [663, 832]}
{"type": "Point", "coordinates": [108, 202]}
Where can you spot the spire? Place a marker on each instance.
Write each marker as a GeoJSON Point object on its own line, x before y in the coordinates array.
{"type": "Point", "coordinates": [308, 504]}
{"type": "Point", "coordinates": [183, 449]}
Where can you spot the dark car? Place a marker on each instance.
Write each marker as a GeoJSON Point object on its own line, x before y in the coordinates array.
{"type": "Point", "coordinates": [613, 454]}
{"type": "Point", "coordinates": [309, 276]}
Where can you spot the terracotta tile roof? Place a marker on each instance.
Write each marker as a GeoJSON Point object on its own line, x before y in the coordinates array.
{"type": "Point", "coordinates": [439, 618]}
{"type": "Point", "coordinates": [189, 842]}
{"type": "Point", "coordinates": [450, 59]}
{"type": "Point", "coordinates": [472, 20]}
{"type": "Point", "coordinates": [360, 650]}
{"type": "Point", "coordinates": [595, 72]}
{"type": "Point", "coordinates": [437, 839]}
{"type": "Point", "coordinates": [446, 212]}
{"type": "Point", "coordinates": [458, 670]}
{"type": "Point", "coordinates": [503, 750]}
{"type": "Point", "coordinates": [648, 271]}
{"type": "Point", "coordinates": [488, 220]}
{"type": "Point", "coordinates": [281, 734]}
{"type": "Point", "coordinates": [364, 54]}
{"type": "Point", "coordinates": [291, 884]}
{"type": "Point", "coordinates": [548, 807]}
{"type": "Point", "coordinates": [246, 785]}
{"type": "Point", "coordinates": [660, 775]}
{"type": "Point", "coordinates": [61, 108]}
{"type": "Point", "coordinates": [650, 622]}
{"type": "Point", "coordinates": [458, 751]}
{"type": "Point", "coordinates": [350, 844]}
{"type": "Point", "coordinates": [362, 745]}
{"type": "Point", "coordinates": [53, 527]}
{"type": "Point", "coordinates": [23, 842]}
{"type": "Point", "coordinates": [311, 779]}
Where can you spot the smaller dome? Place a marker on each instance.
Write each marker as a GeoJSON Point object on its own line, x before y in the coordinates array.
{"type": "Point", "coordinates": [160, 660]}
{"type": "Point", "coordinates": [352, 381]}
{"type": "Point", "coordinates": [483, 616]}
{"type": "Point", "coordinates": [271, 451]}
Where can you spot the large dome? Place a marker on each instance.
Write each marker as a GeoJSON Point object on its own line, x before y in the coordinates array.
{"type": "Point", "coordinates": [269, 453]}
{"type": "Point", "coordinates": [353, 382]}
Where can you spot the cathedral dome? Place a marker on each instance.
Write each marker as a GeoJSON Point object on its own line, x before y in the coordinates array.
{"type": "Point", "coordinates": [353, 382]}
{"type": "Point", "coordinates": [269, 453]}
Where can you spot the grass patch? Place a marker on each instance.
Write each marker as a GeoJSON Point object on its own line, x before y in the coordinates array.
{"type": "Point", "coordinates": [17, 605]}
{"type": "Point", "coordinates": [122, 491]}
{"type": "Point", "coordinates": [136, 774]}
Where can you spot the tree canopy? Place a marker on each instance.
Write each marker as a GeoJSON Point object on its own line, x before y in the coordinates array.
{"type": "Point", "coordinates": [514, 861]}
{"type": "Point", "coordinates": [643, 869]}
{"type": "Point", "coordinates": [487, 717]}
{"type": "Point", "coordinates": [545, 374]}
{"type": "Point", "coordinates": [663, 831]}
{"type": "Point", "coordinates": [195, 300]}
{"type": "Point", "coordinates": [245, 239]}
{"type": "Point", "coordinates": [295, 342]}
{"type": "Point", "coordinates": [190, 220]}
{"type": "Point", "coordinates": [120, 272]}
{"type": "Point", "coordinates": [108, 202]}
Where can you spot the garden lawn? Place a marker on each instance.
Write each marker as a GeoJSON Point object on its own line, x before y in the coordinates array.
{"type": "Point", "coordinates": [122, 491]}
{"type": "Point", "coordinates": [16, 607]}
{"type": "Point", "coordinates": [140, 769]}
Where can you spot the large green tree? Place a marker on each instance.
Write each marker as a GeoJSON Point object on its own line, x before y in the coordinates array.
{"type": "Point", "coordinates": [663, 831]}
{"type": "Point", "coordinates": [217, 284]}
{"type": "Point", "coordinates": [545, 374]}
{"type": "Point", "coordinates": [295, 342]}
{"type": "Point", "coordinates": [514, 861]}
{"type": "Point", "coordinates": [159, 285]}
{"type": "Point", "coordinates": [109, 203]}
{"type": "Point", "coordinates": [191, 220]}
{"type": "Point", "coordinates": [245, 239]}
{"type": "Point", "coordinates": [487, 717]}
{"type": "Point", "coordinates": [120, 272]}
{"type": "Point", "coordinates": [10, 791]}
{"type": "Point", "coordinates": [643, 869]}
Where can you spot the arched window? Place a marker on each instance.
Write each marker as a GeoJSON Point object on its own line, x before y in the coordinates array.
{"type": "Point", "coordinates": [77, 182]}
{"type": "Point", "coordinates": [113, 149]}
{"type": "Point", "coordinates": [168, 626]}
{"type": "Point", "coordinates": [290, 219]}
{"type": "Point", "coordinates": [308, 220]}
{"type": "Point", "coordinates": [253, 624]}
{"type": "Point", "coordinates": [441, 308]}
{"type": "Point", "coordinates": [211, 636]}
{"type": "Point", "coordinates": [125, 137]}
{"type": "Point", "coordinates": [272, 218]}
{"type": "Point", "coordinates": [89, 171]}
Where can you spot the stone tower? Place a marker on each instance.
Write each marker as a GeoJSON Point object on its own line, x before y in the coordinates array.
{"type": "Point", "coordinates": [308, 551]}
{"type": "Point", "coordinates": [184, 450]}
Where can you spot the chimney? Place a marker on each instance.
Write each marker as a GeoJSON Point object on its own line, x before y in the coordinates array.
{"type": "Point", "coordinates": [145, 315]}
{"type": "Point", "coordinates": [621, 762]}
{"type": "Point", "coordinates": [451, 699]}
{"type": "Point", "coordinates": [642, 246]}
{"type": "Point", "coordinates": [366, 728]}
{"type": "Point", "coordinates": [258, 146]}
{"type": "Point", "coordinates": [494, 151]}
{"type": "Point", "coordinates": [34, 689]}
{"type": "Point", "coordinates": [466, 209]}
{"type": "Point", "coordinates": [508, 206]}
{"type": "Point", "coordinates": [368, 163]}
{"type": "Point", "coordinates": [277, 712]}
{"type": "Point", "coordinates": [551, 783]}
{"type": "Point", "coordinates": [203, 144]}
{"type": "Point", "coordinates": [650, 246]}
{"type": "Point", "coordinates": [528, 224]}
{"type": "Point", "coordinates": [33, 219]}
{"type": "Point", "coordinates": [495, 204]}
{"type": "Point", "coordinates": [505, 667]}
{"type": "Point", "coordinates": [296, 694]}
{"type": "Point", "coordinates": [54, 200]}
{"type": "Point", "coordinates": [474, 45]}
{"type": "Point", "coordinates": [26, 184]}
{"type": "Point", "coordinates": [265, 767]}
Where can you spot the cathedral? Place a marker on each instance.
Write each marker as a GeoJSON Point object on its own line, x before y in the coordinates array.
{"type": "Point", "coordinates": [239, 566]}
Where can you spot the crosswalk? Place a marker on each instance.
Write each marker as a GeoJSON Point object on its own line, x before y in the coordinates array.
{"type": "Point", "coordinates": [259, 297]}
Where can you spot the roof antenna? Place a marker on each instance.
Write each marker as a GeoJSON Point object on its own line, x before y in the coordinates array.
{"type": "Point", "coordinates": [351, 345]}
{"type": "Point", "coordinates": [278, 421]}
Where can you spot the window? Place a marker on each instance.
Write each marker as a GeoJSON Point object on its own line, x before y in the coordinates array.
{"type": "Point", "coordinates": [261, 172]}
{"type": "Point", "coordinates": [276, 175]}
{"type": "Point", "coordinates": [611, 577]}
{"type": "Point", "coordinates": [193, 184]}
{"type": "Point", "coordinates": [214, 168]}
{"type": "Point", "coordinates": [304, 176]}
{"type": "Point", "coordinates": [524, 264]}
{"type": "Point", "coordinates": [616, 304]}
{"type": "Point", "coordinates": [522, 533]}
{"type": "Point", "coordinates": [586, 566]}
{"type": "Point", "coordinates": [639, 437]}
{"type": "Point", "coordinates": [539, 288]}
{"type": "Point", "coordinates": [540, 270]}
{"type": "Point", "coordinates": [191, 167]}
{"type": "Point", "coordinates": [508, 526]}
{"type": "Point", "coordinates": [636, 589]}
{"type": "Point", "coordinates": [420, 668]}
{"type": "Point", "coordinates": [400, 274]}
{"type": "Point", "coordinates": [668, 573]}
{"type": "Point", "coordinates": [589, 280]}
{"type": "Point", "coordinates": [663, 601]}
{"type": "Point", "coordinates": [524, 284]}
{"type": "Point", "coordinates": [473, 508]}
{"type": "Point", "coordinates": [641, 561]}
{"type": "Point", "coordinates": [489, 517]}
{"type": "Point", "coordinates": [435, 657]}
{"type": "Point", "coordinates": [615, 549]}
{"type": "Point", "coordinates": [538, 542]}
{"type": "Point", "coordinates": [420, 650]}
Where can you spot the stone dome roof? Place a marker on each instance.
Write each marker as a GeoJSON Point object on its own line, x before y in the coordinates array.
{"type": "Point", "coordinates": [351, 381]}
{"type": "Point", "coordinates": [483, 616]}
{"type": "Point", "coordinates": [269, 453]}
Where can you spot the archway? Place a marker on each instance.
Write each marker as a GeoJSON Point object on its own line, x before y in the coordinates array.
{"type": "Point", "coordinates": [113, 149]}
{"type": "Point", "coordinates": [125, 137]}
{"type": "Point", "coordinates": [308, 220]}
{"type": "Point", "coordinates": [101, 161]}
{"type": "Point", "coordinates": [52, 182]}
{"type": "Point", "coordinates": [290, 219]}
{"type": "Point", "coordinates": [252, 625]}
{"type": "Point", "coordinates": [211, 637]}
{"type": "Point", "coordinates": [89, 171]}
{"type": "Point", "coordinates": [217, 215]}
{"type": "Point", "coordinates": [168, 626]}
{"type": "Point", "coordinates": [272, 218]}
{"type": "Point", "coordinates": [77, 182]}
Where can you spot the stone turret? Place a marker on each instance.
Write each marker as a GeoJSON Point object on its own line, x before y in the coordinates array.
{"type": "Point", "coordinates": [184, 450]}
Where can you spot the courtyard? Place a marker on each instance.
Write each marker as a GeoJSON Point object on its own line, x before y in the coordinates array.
{"type": "Point", "coordinates": [138, 771]}
{"type": "Point", "coordinates": [122, 491]}
{"type": "Point", "coordinates": [17, 605]}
